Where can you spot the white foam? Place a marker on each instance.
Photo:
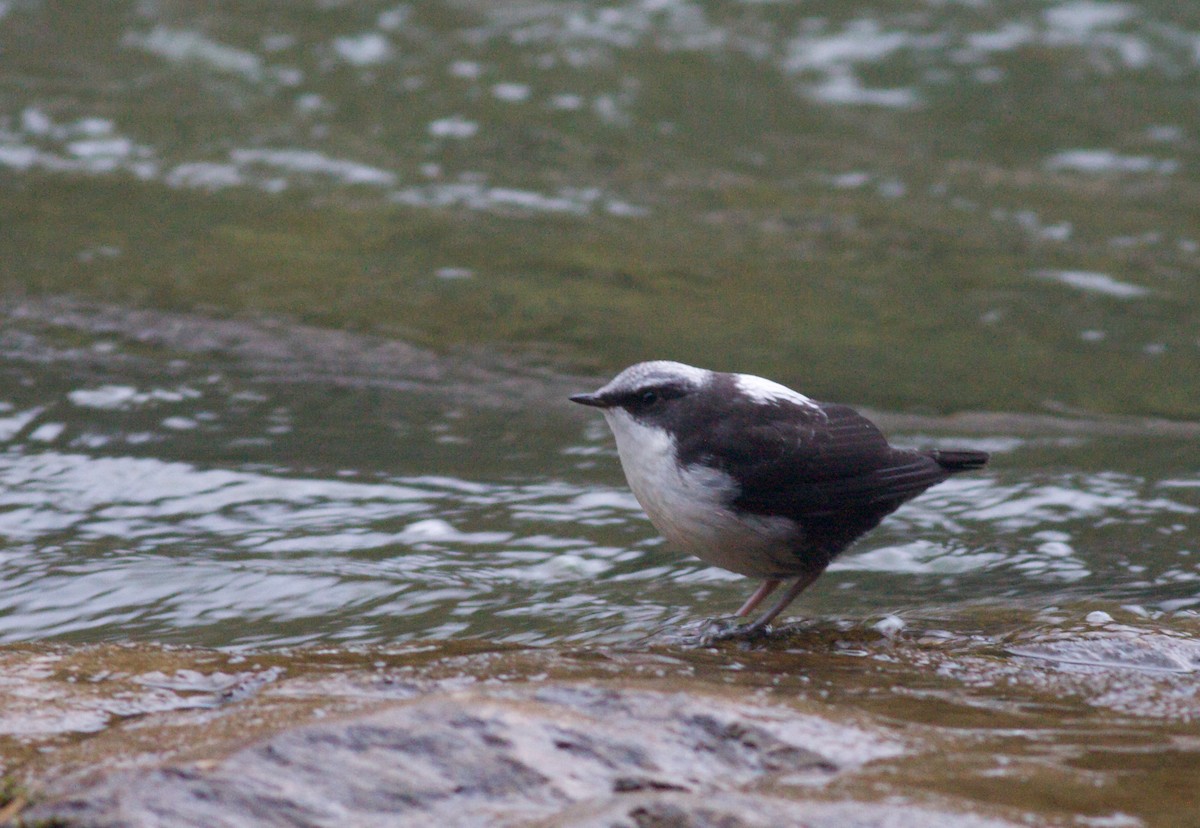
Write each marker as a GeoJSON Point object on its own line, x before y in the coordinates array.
{"type": "Point", "coordinates": [92, 127]}
{"type": "Point", "coordinates": [1083, 17]}
{"type": "Point", "coordinates": [123, 397]}
{"type": "Point", "coordinates": [1109, 161]}
{"type": "Point", "coordinates": [47, 432]}
{"type": "Point", "coordinates": [455, 126]}
{"type": "Point", "coordinates": [917, 558]}
{"type": "Point", "coordinates": [842, 86]}
{"type": "Point", "coordinates": [890, 625]}
{"type": "Point", "coordinates": [478, 197]}
{"type": "Point", "coordinates": [466, 69]}
{"type": "Point", "coordinates": [616, 207]}
{"type": "Point", "coordinates": [18, 156]}
{"type": "Point", "coordinates": [436, 530]}
{"type": "Point", "coordinates": [567, 101]}
{"type": "Point", "coordinates": [36, 122]}
{"type": "Point", "coordinates": [102, 148]}
{"type": "Point", "coordinates": [180, 423]}
{"type": "Point", "coordinates": [12, 425]}
{"type": "Point", "coordinates": [205, 175]}
{"type": "Point", "coordinates": [310, 103]}
{"type": "Point", "coordinates": [834, 56]}
{"type": "Point", "coordinates": [88, 145]}
{"type": "Point", "coordinates": [365, 49]}
{"type": "Point", "coordinates": [1008, 37]}
{"type": "Point", "coordinates": [1095, 283]}
{"type": "Point", "coordinates": [182, 46]}
{"type": "Point", "coordinates": [850, 180]}
{"type": "Point", "coordinates": [861, 41]}
{"type": "Point", "coordinates": [511, 92]}
{"type": "Point", "coordinates": [315, 163]}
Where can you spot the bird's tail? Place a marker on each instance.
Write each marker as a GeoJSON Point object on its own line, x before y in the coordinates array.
{"type": "Point", "coordinates": [958, 460]}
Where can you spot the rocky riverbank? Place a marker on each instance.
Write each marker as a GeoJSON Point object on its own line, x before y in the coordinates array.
{"type": "Point", "coordinates": [830, 724]}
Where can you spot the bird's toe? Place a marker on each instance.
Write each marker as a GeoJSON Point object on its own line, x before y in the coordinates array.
{"type": "Point", "coordinates": [716, 630]}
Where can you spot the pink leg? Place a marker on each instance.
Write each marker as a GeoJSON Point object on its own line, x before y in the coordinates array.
{"type": "Point", "coordinates": [798, 586]}
{"type": "Point", "coordinates": [764, 589]}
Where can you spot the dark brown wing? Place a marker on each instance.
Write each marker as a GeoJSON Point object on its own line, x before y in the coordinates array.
{"type": "Point", "coordinates": [819, 464]}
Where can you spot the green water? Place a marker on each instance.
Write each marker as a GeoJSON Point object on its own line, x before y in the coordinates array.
{"type": "Point", "coordinates": [293, 295]}
{"type": "Point", "coordinates": [620, 182]}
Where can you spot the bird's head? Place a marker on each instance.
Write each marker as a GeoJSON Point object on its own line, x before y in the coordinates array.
{"type": "Point", "coordinates": [649, 392]}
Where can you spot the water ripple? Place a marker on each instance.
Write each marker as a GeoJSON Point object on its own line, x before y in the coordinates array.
{"type": "Point", "coordinates": [125, 546]}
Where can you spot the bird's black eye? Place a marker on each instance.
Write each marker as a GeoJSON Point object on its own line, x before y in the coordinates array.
{"type": "Point", "coordinates": [648, 397]}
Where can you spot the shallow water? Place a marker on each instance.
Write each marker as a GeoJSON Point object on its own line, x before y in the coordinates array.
{"type": "Point", "coordinates": [203, 505]}
{"type": "Point", "coordinates": [292, 301]}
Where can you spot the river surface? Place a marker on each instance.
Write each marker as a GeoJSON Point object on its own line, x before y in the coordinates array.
{"type": "Point", "coordinates": [293, 295]}
{"type": "Point", "coordinates": [201, 505]}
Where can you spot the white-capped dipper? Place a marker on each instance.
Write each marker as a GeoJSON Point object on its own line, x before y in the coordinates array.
{"type": "Point", "coordinates": [751, 476]}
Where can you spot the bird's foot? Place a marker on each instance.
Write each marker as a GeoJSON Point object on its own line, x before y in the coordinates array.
{"type": "Point", "coordinates": [716, 630]}
{"type": "Point", "coordinates": [702, 633]}
{"type": "Point", "coordinates": [711, 631]}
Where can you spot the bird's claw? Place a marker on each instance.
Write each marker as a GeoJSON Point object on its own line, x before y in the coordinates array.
{"type": "Point", "coordinates": [716, 630]}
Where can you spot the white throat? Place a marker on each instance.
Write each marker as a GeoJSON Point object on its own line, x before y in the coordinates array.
{"type": "Point", "coordinates": [651, 466]}
{"type": "Point", "coordinates": [692, 506]}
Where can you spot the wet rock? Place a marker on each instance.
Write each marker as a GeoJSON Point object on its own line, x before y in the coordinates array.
{"type": "Point", "coordinates": [274, 350]}
{"type": "Point", "coordinates": [508, 756]}
{"type": "Point", "coordinates": [726, 810]}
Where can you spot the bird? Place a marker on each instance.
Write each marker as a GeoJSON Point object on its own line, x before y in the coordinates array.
{"type": "Point", "coordinates": [756, 478]}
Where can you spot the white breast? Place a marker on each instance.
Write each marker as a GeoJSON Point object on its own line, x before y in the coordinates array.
{"type": "Point", "coordinates": [691, 506]}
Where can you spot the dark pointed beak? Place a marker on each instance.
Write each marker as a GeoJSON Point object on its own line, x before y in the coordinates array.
{"type": "Point", "coordinates": [589, 399]}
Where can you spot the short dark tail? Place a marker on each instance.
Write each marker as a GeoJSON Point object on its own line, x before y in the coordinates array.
{"type": "Point", "coordinates": [959, 460]}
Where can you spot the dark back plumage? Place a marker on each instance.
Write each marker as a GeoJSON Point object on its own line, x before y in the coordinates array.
{"type": "Point", "coordinates": [822, 465]}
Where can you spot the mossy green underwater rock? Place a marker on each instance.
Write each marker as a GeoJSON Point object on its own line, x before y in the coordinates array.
{"type": "Point", "coordinates": [906, 304]}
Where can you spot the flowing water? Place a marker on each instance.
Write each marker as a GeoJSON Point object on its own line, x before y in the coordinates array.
{"type": "Point", "coordinates": [293, 295]}
{"type": "Point", "coordinates": [202, 505]}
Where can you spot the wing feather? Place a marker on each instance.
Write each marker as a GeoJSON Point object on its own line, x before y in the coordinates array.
{"type": "Point", "coordinates": [832, 464]}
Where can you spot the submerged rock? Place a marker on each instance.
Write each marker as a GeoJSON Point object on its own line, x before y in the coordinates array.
{"type": "Point", "coordinates": [557, 753]}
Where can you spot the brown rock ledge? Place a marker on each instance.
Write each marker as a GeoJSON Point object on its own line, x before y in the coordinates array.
{"type": "Point", "coordinates": [540, 754]}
